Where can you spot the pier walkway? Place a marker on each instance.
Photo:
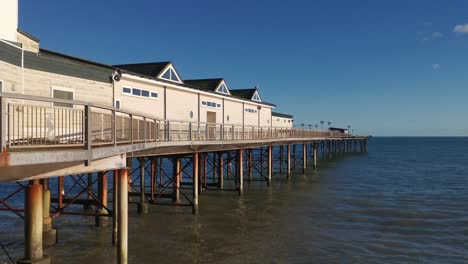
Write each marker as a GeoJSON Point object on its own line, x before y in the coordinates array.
{"type": "Point", "coordinates": [42, 140]}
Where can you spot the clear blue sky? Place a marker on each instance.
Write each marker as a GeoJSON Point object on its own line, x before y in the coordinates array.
{"type": "Point", "coordinates": [384, 67]}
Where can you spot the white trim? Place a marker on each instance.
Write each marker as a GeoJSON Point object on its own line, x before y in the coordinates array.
{"type": "Point", "coordinates": [141, 90]}
{"type": "Point", "coordinates": [168, 68]}
{"type": "Point", "coordinates": [225, 85]}
{"type": "Point", "coordinates": [256, 93]}
{"type": "Point", "coordinates": [174, 85]}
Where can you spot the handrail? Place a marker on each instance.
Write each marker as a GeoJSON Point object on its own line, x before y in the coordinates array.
{"type": "Point", "coordinates": [89, 125]}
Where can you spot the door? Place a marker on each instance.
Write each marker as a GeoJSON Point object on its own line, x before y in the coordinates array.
{"type": "Point", "coordinates": [211, 120]}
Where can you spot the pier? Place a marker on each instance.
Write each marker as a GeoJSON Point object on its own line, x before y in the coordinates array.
{"type": "Point", "coordinates": [105, 159]}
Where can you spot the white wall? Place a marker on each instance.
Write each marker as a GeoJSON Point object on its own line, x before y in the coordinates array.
{"type": "Point", "coordinates": [149, 106]}
{"type": "Point", "coordinates": [282, 122]}
{"type": "Point", "coordinates": [9, 20]}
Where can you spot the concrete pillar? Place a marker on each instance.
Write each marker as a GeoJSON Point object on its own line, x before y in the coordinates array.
{"type": "Point", "coordinates": [115, 208]}
{"type": "Point", "coordinates": [270, 163]}
{"type": "Point", "coordinates": [176, 180]}
{"type": "Point", "coordinates": [240, 172]}
{"type": "Point", "coordinates": [49, 234]}
{"type": "Point", "coordinates": [220, 171]}
{"type": "Point", "coordinates": [288, 158]}
{"type": "Point", "coordinates": [122, 247]}
{"type": "Point", "coordinates": [33, 225]}
{"type": "Point", "coordinates": [304, 156]}
{"type": "Point", "coordinates": [102, 221]}
{"type": "Point", "coordinates": [315, 155]}
{"type": "Point", "coordinates": [195, 183]}
{"type": "Point", "coordinates": [143, 204]}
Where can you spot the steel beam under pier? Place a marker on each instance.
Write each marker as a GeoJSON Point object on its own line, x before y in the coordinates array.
{"type": "Point", "coordinates": [33, 225]}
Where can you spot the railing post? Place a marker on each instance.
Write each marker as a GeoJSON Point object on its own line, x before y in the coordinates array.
{"type": "Point", "coordinates": [190, 131]}
{"type": "Point", "coordinates": [206, 132]}
{"type": "Point", "coordinates": [156, 130]}
{"type": "Point", "coordinates": [167, 130]}
{"type": "Point", "coordinates": [233, 133]}
{"type": "Point", "coordinates": [114, 128]}
{"type": "Point", "coordinates": [131, 129]}
{"type": "Point", "coordinates": [221, 132]}
{"type": "Point", "coordinates": [145, 127]}
{"type": "Point", "coordinates": [3, 123]}
{"type": "Point", "coordinates": [88, 133]}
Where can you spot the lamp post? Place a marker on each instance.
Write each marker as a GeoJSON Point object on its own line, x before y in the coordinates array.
{"type": "Point", "coordinates": [349, 128]}
{"type": "Point", "coordinates": [321, 122]}
{"type": "Point", "coordinates": [329, 124]}
{"type": "Point", "coordinates": [310, 127]}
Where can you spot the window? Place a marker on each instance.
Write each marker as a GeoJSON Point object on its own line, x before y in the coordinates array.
{"type": "Point", "coordinates": [170, 75]}
{"type": "Point", "coordinates": [227, 118]}
{"type": "Point", "coordinates": [62, 93]}
{"type": "Point", "coordinates": [127, 90]}
{"type": "Point", "coordinates": [191, 114]}
{"type": "Point", "coordinates": [250, 110]}
{"type": "Point", "coordinates": [136, 92]}
{"type": "Point", "coordinates": [117, 104]}
{"type": "Point", "coordinates": [223, 89]}
{"type": "Point", "coordinates": [145, 93]}
{"type": "Point", "coordinates": [1, 86]}
{"type": "Point", "coordinates": [139, 92]}
{"type": "Point", "coordinates": [211, 104]}
{"type": "Point", "coordinates": [256, 97]}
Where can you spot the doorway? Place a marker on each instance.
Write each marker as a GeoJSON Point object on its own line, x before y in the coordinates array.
{"type": "Point", "coordinates": [211, 120]}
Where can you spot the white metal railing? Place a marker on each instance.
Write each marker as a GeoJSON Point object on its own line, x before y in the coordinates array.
{"type": "Point", "coordinates": [34, 122]}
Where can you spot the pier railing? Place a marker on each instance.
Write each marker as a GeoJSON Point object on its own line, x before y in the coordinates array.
{"type": "Point", "coordinates": [31, 122]}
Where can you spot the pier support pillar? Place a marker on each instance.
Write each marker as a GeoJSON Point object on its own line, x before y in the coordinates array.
{"type": "Point", "coordinates": [102, 221]}
{"type": "Point", "coordinates": [220, 171]}
{"type": "Point", "coordinates": [49, 234]}
{"type": "Point", "coordinates": [315, 155]}
{"type": "Point", "coordinates": [195, 183]}
{"type": "Point", "coordinates": [115, 207]}
{"type": "Point", "coordinates": [143, 205]}
{"type": "Point", "coordinates": [122, 247]}
{"type": "Point", "coordinates": [33, 225]}
{"type": "Point", "coordinates": [288, 160]}
{"type": "Point", "coordinates": [176, 180]}
{"type": "Point", "coordinates": [304, 156]}
{"type": "Point", "coordinates": [270, 163]}
{"type": "Point", "coordinates": [240, 172]}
